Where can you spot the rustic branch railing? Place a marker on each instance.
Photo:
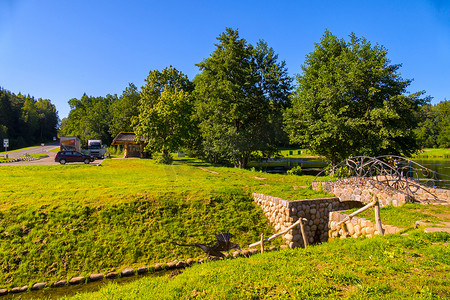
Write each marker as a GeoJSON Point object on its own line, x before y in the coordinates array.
{"type": "Point", "coordinates": [399, 173]}
{"type": "Point", "coordinates": [375, 203]}
{"type": "Point", "coordinates": [263, 240]}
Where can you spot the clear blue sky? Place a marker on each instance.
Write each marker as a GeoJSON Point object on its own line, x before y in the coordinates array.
{"type": "Point", "coordinates": [60, 49]}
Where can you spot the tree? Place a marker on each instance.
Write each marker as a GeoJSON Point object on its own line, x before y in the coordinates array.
{"type": "Point", "coordinates": [443, 139]}
{"type": "Point", "coordinates": [89, 118]}
{"type": "Point", "coordinates": [351, 101]}
{"type": "Point", "coordinates": [239, 95]}
{"type": "Point", "coordinates": [124, 109]}
{"type": "Point", "coordinates": [25, 120]}
{"type": "Point", "coordinates": [165, 110]}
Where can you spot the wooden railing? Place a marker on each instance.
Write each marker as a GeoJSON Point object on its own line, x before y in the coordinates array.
{"type": "Point", "coordinates": [263, 240]}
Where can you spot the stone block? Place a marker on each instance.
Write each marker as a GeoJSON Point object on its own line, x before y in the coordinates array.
{"type": "Point", "coordinates": [254, 251]}
{"type": "Point", "coordinates": [127, 272]}
{"type": "Point", "coordinates": [288, 237]}
{"type": "Point", "coordinates": [77, 280]}
{"type": "Point", "coordinates": [350, 228]}
{"type": "Point", "coordinates": [171, 265]}
{"type": "Point", "coordinates": [59, 283]}
{"type": "Point", "coordinates": [38, 286]}
{"type": "Point", "coordinates": [96, 277]}
{"type": "Point", "coordinates": [112, 275]}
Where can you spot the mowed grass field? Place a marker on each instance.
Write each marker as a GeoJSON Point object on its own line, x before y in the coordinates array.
{"type": "Point", "coordinates": [58, 221]}
{"type": "Point", "coordinates": [412, 265]}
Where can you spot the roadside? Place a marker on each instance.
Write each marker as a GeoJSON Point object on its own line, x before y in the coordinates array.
{"type": "Point", "coordinates": [47, 149]}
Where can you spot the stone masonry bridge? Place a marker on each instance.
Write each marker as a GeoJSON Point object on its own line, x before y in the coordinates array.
{"type": "Point", "coordinates": [366, 177]}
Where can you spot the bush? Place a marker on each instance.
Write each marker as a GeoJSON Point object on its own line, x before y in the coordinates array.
{"type": "Point", "coordinates": [297, 170]}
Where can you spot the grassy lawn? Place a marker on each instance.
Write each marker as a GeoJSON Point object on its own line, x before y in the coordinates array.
{"type": "Point", "coordinates": [406, 216]}
{"type": "Point", "coordinates": [58, 221]}
{"type": "Point", "coordinates": [415, 266]}
{"type": "Point", "coordinates": [433, 153]}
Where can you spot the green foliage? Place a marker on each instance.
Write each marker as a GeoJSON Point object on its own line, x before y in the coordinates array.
{"type": "Point", "coordinates": [89, 119]}
{"type": "Point", "coordinates": [434, 127]}
{"type": "Point", "coordinates": [351, 101]}
{"type": "Point", "coordinates": [239, 95]}
{"type": "Point", "coordinates": [297, 170]}
{"type": "Point", "coordinates": [165, 110]}
{"type": "Point", "coordinates": [376, 268]}
{"type": "Point", "coordinates": [123, 110]}
{"type": "Point", "coordinates": [25, 120]}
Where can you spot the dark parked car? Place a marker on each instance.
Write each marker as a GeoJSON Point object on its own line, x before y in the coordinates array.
{"type": "Point", "coordinates": [72, 156]}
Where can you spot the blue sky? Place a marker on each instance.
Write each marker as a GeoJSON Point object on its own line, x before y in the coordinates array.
{"type": "Point", "coordinates": [58, 50]}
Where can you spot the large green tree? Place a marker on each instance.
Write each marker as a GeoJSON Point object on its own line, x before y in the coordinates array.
{"type": "Point", "coordinates": [123, 110]}
{"type": "Point", "coordinates": [165, 109]}
{"type": "Point", "coordinates": [239, 94]}
{"type": "Point", "coordinates": [350, 100]}
{"type": "Point", "coordinates": [89, 118]}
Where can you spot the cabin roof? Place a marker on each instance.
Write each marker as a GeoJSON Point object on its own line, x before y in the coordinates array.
{"type": "Point", "coordinates": [125, 138]}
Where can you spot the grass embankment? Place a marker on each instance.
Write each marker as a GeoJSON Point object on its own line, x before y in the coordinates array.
{"type": "Point", "coordinates": [406, 216]}
{"type": "Point", "coordinates": [57, 221]}
{"type": "Point", "coordinates": [415, 266]}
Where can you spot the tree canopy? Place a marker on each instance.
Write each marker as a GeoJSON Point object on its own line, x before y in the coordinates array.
{"type": "Point", "coordinates": [89, 118]}
{"type": "Point", "coordinates": [165, 110]}
{"type": "Point", "coordinates": [239, 96]}
{"type": "Point", "coordinates": [123, 110]}
{"type": "Point", "coordinates": [26, 121]}
{"type": "Point", "coordinates": [434, 126]}
{"type": "Point", "coordinates": [350, 100]}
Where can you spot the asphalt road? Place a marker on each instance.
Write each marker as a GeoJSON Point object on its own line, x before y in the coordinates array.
{"type": "Point", "coordinates": [50, 160]}
{"type": "Point", "coordinates": [34, 150]}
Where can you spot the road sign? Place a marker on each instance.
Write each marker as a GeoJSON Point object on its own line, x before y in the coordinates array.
{"type": "Point", "coordinates": [6, 143]}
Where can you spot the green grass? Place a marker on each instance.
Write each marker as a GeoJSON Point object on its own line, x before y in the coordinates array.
{"type": "Point", "coordinates": [59, 221]}
{"type": "Point", "coordinates": [415, 266]}
{"type": "Point", "coordinates": [433, 153]}
{"type": "Point", "coordinates": [406, 216]}
{"type": "Point", "coordinates": [298, 153]}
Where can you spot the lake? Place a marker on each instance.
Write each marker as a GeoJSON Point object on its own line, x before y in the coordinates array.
{"type": "Point", "coordinates": [311, 166]}
{"type": "Point", "coordinates": [439, 165]}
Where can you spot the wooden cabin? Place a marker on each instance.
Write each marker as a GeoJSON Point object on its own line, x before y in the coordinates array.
{"type": "Point", "coordinates": [131, 147]}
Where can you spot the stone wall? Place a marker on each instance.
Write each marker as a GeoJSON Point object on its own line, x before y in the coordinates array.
{"type": "Point", "coordinates": [360, 189]}
{"type": "Point", "coordinates": [356, 189]}
{"type": "Point", "coordinates": [283, 213]}
{"type": "Point", "coordinates": [355, 227]}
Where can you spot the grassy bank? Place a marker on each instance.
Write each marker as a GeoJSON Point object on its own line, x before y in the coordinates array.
{"type": "Point", "coordinates": [406, 216]}
{"type": "Point", "coordinates": [415, 266]}
{"type": "Point", "coordinates": [433, 153]}
{"type": "Point", "coordinates": [57, 221]}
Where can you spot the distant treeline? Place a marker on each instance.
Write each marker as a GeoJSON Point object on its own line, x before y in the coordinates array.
{"type": "Point", "coordinates": [349, 100]}
{"type": "Point", "coordinates": [101, 117]}
{"type": "Point", "coordinates": [26, 121]}
{"type": "Point", "coordinates": [433, 130]}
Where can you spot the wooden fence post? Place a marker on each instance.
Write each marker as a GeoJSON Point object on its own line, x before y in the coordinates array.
{"type": "Point", "coordinates": [378, 217]}
{"type": "Point", "coordinates": [305, 242]}
{"type": "Point", "coordinates": [262, 243]}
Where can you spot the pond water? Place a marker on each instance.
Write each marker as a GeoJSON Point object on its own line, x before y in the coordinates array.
{"type": "Point", "coordinates": [311, 166]}
{"type": "Point", "coordinates": [439, 165]}
{"type": "Point", "coordinates": [71, 290]}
